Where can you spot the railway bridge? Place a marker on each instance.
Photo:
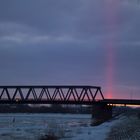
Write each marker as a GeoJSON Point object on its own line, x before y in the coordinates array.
{"type": "Point", "coordinates": [63, 94]}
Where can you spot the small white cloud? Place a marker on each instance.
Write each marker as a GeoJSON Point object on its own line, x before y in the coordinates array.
{"type": "Point", "coordinates": [19, 33]}
{"type": "Point", "coordinates": [11, 39]}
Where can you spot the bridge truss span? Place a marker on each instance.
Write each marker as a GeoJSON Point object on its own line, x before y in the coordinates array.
{"type": "Point", "coordinates": [50, 94]}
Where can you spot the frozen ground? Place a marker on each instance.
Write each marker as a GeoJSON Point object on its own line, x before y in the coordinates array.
{"type": "Point", "coordinates": [97, 132]}
{"type": "Point", "coordinates": [128, 128]}
{"type": "Point", "coordinates": [33, 126]}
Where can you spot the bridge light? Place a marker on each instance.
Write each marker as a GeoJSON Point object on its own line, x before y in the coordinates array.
{"type": "Point", "coordinates": [17, 99]}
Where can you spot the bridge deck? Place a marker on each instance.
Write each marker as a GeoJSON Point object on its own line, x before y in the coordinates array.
{"type": "Point", "coordinates": [121, 101]}
{"type": "Point", "coordinates": [105, 101]}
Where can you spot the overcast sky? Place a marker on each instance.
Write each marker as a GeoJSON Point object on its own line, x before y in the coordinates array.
{"type": "Point", "coordinates": [72, 42]}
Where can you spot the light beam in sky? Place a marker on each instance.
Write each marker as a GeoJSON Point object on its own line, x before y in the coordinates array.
{"type": "Point", "coordinates": [111, 8]}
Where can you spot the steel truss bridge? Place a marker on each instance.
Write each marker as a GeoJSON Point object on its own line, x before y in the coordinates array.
{"type": "Point", "coordinates": [87, 95]}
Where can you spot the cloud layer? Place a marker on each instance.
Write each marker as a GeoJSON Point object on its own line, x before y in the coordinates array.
{"type": "Point", "coordinates": [71, 42]}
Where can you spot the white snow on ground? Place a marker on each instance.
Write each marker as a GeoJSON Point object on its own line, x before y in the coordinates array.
{"type": "Point", "coordinates": [97, 132]}
{"type": "Point", "coordinates": [33, 126]}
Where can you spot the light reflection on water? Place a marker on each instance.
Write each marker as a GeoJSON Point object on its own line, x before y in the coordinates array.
{"type": "Point", "coordinates": [33, 126]}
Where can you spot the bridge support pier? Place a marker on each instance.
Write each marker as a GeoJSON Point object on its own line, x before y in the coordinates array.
{"type": "Point", "coordinates": [101, 113]}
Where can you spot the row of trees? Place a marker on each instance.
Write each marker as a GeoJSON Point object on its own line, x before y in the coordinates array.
{"type": "Point", "coordinates": [45, 109]}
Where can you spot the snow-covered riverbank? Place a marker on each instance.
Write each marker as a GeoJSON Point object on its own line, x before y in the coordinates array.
{"type": "Point", "coordinates": [97, 132]}
{"type": "Point", "coordinates": [69, 126]}
{"type": "Point", "coordinates": [128, 128]}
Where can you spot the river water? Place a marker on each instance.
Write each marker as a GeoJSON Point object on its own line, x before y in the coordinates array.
{"type": "Point", "coordinates": [34, 126]}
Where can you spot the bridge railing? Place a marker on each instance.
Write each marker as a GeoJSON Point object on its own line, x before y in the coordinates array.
{"type": "Point", "coordinates": [50, 93]}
